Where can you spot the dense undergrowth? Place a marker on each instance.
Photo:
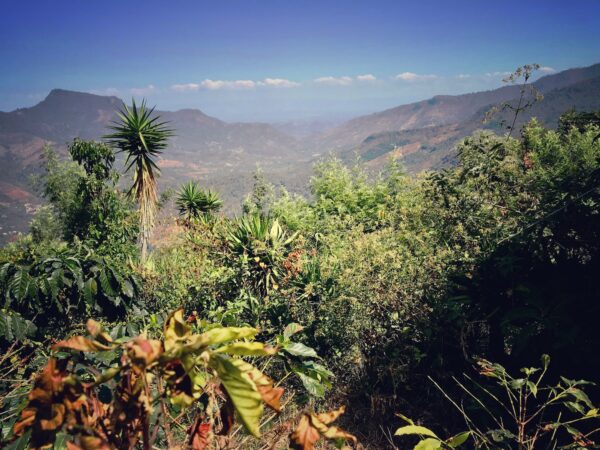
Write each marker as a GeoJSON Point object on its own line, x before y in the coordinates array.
{"type": "Point", "coordinates": [394, 288]}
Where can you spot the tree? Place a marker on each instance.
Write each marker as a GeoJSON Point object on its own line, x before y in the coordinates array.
{"type": "Point", "coordinates": [193, 202]}
{"type": "Point", "coordinates": [84, 201]}
{"type": "Point", "coordinates": [142, 137]}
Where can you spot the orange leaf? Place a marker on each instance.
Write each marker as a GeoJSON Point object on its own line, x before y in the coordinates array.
{"type": "Point", "coordinates": [58, 417]}
{"type": "Point", "coordinates": [270, 395]}
{"type": "Point", "coordinates": [95, 330]}
{"type": "Point", "coordinates": [144, 352]}
{"type": "Point", "coordinates": [305, 435]}
{"type": "Point", "coordinates": [331, 416]}
{"type": "Point", "coordinates": [27, 419]}
{"type": "Point", "coordinates": [82, 344]}
{"type": "Point", "coordinates": [199, 433]}
{"type": "Point", "coordinates": [336, 433]}
{"type": "Point", "coordinates": [93, 443]}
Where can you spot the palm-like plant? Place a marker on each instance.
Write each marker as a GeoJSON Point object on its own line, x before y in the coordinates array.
{"type": "Point", "coordinates": [193, 202]}
{"type": "Point", "coordinates": [142, 137]}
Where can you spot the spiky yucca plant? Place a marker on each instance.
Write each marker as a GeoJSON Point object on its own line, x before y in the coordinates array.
{"type": "Point", "coordinates": [142, 137]}
{"type": "Point", "coordinates": [194, 202]}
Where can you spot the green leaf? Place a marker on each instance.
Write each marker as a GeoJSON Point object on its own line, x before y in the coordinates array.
{"type": "Point", "coordinates": [429, 444]}
{"type": "Point", "coordinates": [580, 396]}
{"type": "Point", "coordinates": [243, 392]}
{"type": "Point", "coordinates": [532, 387]}
{"type": "Point", "coordinates": [107, 288]}
{"type": "Point", "coordinates": [247, 349]}
{"type": "Point", "coordinates": [90, 290]}
{"type": "Point", "coordinates": [19, 285]}
{"type": "Point", "coordinates": [545, 361]}
{"type": "Point", "coordinates": [221, 335]}
{"type": "Point", "coordinates": [299, 349]}
{"type": "Point", "coordinates": [315, 378]}
{"type": "Point", "coordinates": [127, 288]}
{"type": "Point", "coordinates": [459, 439]}
{"type": "Point", "coordinates": [415, 429]}
{"type": "Point", "coordinates": [406, 419]}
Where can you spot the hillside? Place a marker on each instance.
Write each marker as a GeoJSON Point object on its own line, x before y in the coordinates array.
{"type": "Point", "coordinates": [429, 147]}
{"type": "Point", "coordinates": [223, 155]}
{"type": "Point", "coordinates": [359, 134]}
{"type": "Point", "coordinates": [217, 153]}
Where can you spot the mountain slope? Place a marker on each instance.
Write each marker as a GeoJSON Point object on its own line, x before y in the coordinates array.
{"type": "Point", "coordinates": [217, 153]}
{"type": "Point", "coordinates": [431, 147]}
{"type": "Point", "coordinates": [439, 110]}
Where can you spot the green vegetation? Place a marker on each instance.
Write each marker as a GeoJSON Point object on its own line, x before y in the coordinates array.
{"type": "Point", "coordinates": [194, 203]}
{"type": "Point", "coordinates": [384, 293]}
{"type": "Point", "coordinates": [142, 138]}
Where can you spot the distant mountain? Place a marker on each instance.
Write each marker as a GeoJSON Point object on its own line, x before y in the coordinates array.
{"type": "Point", "coordinates": [359, 134]}
{"type": "Point", "coordinates": [223, 155]}
{"type": "Point", "coordinates": [217, 153]}
{"type": "Point", "coordinates": [64, 115]}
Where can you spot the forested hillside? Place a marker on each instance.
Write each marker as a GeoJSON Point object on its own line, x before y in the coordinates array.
{"type": "Point", "coordinates": [452, 309]}
{"type": "Point", "coordinates": [224, 155]}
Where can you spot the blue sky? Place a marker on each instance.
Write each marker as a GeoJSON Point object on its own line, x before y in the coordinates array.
{"type": "Point", "coordinates": [282, 60]}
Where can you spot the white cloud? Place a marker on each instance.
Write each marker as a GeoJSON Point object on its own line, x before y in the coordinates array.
{"type": "Point", "coordinates": [213, 85]}
{"type": "Point", "coordinates": [366, 77]}
{"type": "Point", "coordinates": [411, 76]}
{"type": "Point", "coordinates": [143, 90]}
{"type": "Point", "coordinates": [223, 84]}
{"type": "Point", "coordinates": [546, 69]}
{"type": "Point", "coordinates": [463, 76]}
{"type": "Point", "coordinates": [333, 81]}
{"type": "Point", "coordinates": [185, 87]}
{"type": "Point", "coordinates": [278, 82]}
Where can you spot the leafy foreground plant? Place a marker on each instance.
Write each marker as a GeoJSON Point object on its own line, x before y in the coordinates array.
{"type": "Point", "coordinates": [429, 440]}
{"type": "Point", "coordinates": [524, 413]}
{"type": "Point", "coordinates": [131, 404]}
{"type": "Point", "coordinates": [60, 288]}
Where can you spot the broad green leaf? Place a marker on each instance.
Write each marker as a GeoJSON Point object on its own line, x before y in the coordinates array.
{"type": "Point", "coordinates": [19, 285]}
{"type": "Point", "coordinates": [247, 349]}
{"type": "Point", "coordinates": [127, 288]}
{"type": "Point", "coordinates": [243, 392]}
{"type": "Point", "coordinates": [580, 396]}
{"type": "Point", "coordinates": [314, 377]}
{"type": "Point", "coordinates": [429, 444]}
{"type": "Point", "coordinates": [415, 429]}
{"type": "Point", "coordinates": [105, 283]}
{"type": "Point", "coordinates": [90, 290]}
{"type": "Point", "coordinates": [299, 349]}
{"type": "Point", "coordinates": [220, 335]}
{"type": "Point", "coordinates": [459, 439]}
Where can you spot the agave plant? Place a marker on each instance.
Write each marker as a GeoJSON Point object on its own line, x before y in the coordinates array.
{"type": "Point", "coordinates": [142, 137]}
{"type": "Point", "coordinates": [193, 202]}
{"type": "Point", "coordinates": [261, 244]}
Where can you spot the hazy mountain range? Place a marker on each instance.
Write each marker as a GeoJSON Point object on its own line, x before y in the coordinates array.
{"type": "Point", "coordinates": [224, 155]}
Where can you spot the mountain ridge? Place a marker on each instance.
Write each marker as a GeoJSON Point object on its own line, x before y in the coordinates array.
{"type": "Point", "coordinates": [222, 154]}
